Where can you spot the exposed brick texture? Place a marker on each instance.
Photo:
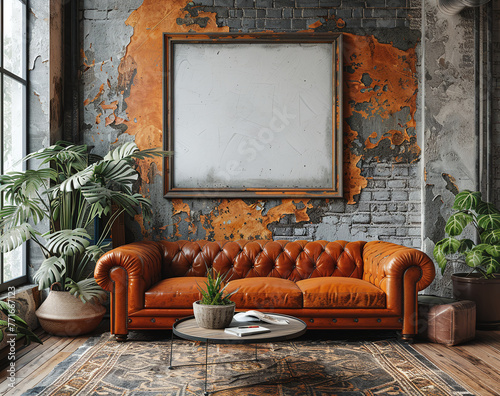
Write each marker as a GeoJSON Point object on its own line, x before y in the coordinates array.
{"type": "Point", "coordinates": [299, 14]}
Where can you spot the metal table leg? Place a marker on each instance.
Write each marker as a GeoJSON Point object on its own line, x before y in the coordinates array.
{"type": "Point", "coordinates": [171, 351]}
{"type": "Point", "coordinates": [206, 368]}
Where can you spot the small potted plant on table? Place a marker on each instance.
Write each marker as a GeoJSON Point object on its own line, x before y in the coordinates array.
{"type": "Point", "coordinates": [215, 310]}
{"type": "Point", "coordinates": [482, 283]}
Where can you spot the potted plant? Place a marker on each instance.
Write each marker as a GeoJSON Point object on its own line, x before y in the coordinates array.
{"type": "Point", "coordinates": [482, 283]}
{"type": "Point", "coordinates": [215, 310]}
{"type": "Point", "coordinates": [77, 188]}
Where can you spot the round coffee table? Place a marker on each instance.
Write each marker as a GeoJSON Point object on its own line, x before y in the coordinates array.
{"type": "Point", "coordinates": [187, 328]}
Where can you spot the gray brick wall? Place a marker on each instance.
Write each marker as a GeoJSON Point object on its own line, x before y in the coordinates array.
{"type": "Point", "coordinates": [292, 15]}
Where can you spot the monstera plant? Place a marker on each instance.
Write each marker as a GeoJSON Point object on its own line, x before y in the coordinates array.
{"type": "Point", "coordinates": [482, 256]}
{"type": "Point", "coordinates": [69, 190]}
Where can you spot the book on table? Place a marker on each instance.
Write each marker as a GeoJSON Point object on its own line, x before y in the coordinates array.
{"type": "Point", "coordinates": [242, 331]}
{"type": "Point", "coordinates": [251, 316]}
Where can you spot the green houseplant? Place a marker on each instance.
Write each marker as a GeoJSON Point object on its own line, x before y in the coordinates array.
{"type": "Point", "coordinates": [77, 188]}
{"type": "Point", "coordinates": [482, 283]}
{"type": "Point", "coordinates": [215, 310]}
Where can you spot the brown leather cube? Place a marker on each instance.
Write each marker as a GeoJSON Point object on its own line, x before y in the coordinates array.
{"type": "Point", "coordinates": [445, 320]}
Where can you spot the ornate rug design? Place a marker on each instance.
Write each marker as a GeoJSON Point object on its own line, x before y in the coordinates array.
{"type": "Point", "coordinates": [139, 367]}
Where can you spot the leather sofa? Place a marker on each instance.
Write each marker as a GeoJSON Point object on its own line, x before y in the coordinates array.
{"type": "Point", "coordinates": [329, 285]}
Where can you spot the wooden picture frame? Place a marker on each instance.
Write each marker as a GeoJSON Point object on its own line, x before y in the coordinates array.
{"type": "Point", "coordinates": [253, 115]}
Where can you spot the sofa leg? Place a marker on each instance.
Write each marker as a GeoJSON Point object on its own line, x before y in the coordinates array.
{"type": "Point", "coordinates": [409, 338]}
{"type": "Point", "coordinates": [121, 337]}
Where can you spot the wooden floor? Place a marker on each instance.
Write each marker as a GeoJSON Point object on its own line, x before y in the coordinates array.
{"type": "Point", "coordinates": [475, 365]}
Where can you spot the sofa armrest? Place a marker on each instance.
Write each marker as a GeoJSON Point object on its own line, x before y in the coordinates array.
{"type": "Point", "coordinates": [401, 272]}
{"type": "Point", "coordinates": [128, 271]}
{"type": "Point", "coordinates": [382, 260]}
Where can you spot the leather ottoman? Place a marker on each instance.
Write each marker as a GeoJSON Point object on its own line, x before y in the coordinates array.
{"type": "Point", "coordinates": [445, 320]}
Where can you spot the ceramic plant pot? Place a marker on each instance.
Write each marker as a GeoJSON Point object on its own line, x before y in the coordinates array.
{"type": "Point", "coordinates": [484, 292]}
{"type": "Point", "coordinates": [213, 316]}
{"type": "Point", "coordinates": [65, 315]}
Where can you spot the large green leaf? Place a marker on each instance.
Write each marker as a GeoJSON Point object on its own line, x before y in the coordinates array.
{"type": "Point", "coordinates": [457, 222]}
{"type": "Point", "coordinates": [14, 237]}
{"type": "Point", "coordinates": [68, 242]}
{"type": "Point", "coordinates": [87, 290]}
{"type": "Point", "coordinates": [124, 151]}
{"type": "Point", "coordinates": [444, 248]}
{"type": "Point", "coordinates": [51, 271]}
{"type": "Point", "coordinates": [119, 174]}
{"type": "Point", "coordinates": [491, 263]}
{"type": "Point", "coordinates": [465, 245]}
{"type": "Point", "coordinates": [487, 208]}
{"type": "Point", "coordinates": [474, 258]}
{"type": "Point", "coordinates": [94, 252]}
{"type": "Point", "coordinates": [78, 180]}
{"type": "Point", "coordinates": [27, 210]}
{"type": "Point", "coordinates": [64, 153]}
{"type": "Point", "coordinates": [489, 221]}
{"type": "Point", "coordinates": [493, 250]}
{"type": "Point", "coordinates": [491, 237]}
{"type": "Point", "coordinates": [467, 200]}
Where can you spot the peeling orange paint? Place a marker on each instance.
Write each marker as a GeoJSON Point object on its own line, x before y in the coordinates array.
{"type": "Point", "coordinates": [101, 90]}
{"type": "Point", "coordinates": [112, 106]}
{"type": "Point", "coordinates": [235, 219]}
{"type": "Point", "coordinates": [393, 72]}
{"type": "Point", "coordinates": [98, 118]}
{"type": "Point", "coordinates": [143, 61]}
{"type": "Point", "coordinates": [178, 206]}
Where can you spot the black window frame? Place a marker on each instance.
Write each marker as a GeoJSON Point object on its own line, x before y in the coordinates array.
{"type": "Point", "coordinates": [4, 286]}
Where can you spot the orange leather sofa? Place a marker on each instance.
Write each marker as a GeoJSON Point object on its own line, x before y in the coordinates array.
{"type": "Point", "coordinates": [329, 285]}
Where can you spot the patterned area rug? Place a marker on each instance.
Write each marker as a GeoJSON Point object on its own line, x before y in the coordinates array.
{"type": "Point", "coordinates": [306, 366]}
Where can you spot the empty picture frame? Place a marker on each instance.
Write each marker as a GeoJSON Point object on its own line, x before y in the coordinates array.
{"type": "Point", "coordinates": [253, 115]}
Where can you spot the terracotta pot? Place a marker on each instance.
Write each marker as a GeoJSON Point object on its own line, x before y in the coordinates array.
{"type": "Point", "coordinates": [484, 292]}
{"type": "Point", "coordinates": [213, 316]}
{"type": "Point", "coordinates": [63, 314]}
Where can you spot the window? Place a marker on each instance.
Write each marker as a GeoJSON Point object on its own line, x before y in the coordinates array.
{"type": "Point", "coordinates": [13, 114]}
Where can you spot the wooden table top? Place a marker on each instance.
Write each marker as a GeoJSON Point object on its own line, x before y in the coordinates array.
{"type": "Point", "coordinates": [188, 329]}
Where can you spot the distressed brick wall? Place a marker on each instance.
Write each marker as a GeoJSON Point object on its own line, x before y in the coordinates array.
{"type": "Point", "coordinates": [292, 15]}
{"type": "Point", "coordinates": [388, 208]}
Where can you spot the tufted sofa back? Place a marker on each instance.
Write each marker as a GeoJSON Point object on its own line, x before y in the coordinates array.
{"type": "Point", "coordinates": [294, 260]}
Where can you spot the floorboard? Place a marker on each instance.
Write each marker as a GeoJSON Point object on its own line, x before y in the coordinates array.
{"type": "Point", "coordinates": [475, 365]}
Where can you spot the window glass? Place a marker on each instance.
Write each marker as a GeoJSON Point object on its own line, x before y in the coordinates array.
{"type": "Point", "coordinates": [13, 124]}
{"type": "Point", "coordinates": [14, 37]}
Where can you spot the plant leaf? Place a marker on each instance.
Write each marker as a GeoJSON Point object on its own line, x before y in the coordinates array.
{"type": "Point", "coordinates": [491, 237]}
{"type": "Point", "coordinates": [457, 222]}
{"type": "Point", "coordinates": [489, 221]}
{"type": "Point", "coordinates": [87, 290]}
{"type": "Point", "coordinates": [491, 263]}
{"type": "Point", "coordinates": [467, 200]}
{"type": "Point", "coordinates": [465, 245]}
{"type": "Point", "coordinates": [443, 248]}
{"type": "Point", "coordinates": [68, 242]}
{"type": "Point", "coordinates": [487, 208]}
{"type": "Point", "coordinates": [493, 250]}
{"type": "Point", "coordinates": [474, 258]}
{"type": "Point", "coordinates": [14, 237]}
{"type": "Point", "coordinates": [78, 180]}
{"type": "Point", "coordinates": [51, 271]}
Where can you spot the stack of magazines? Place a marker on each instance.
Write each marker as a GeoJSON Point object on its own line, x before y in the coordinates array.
{"type": "Point", "coordinates": [252, 329]}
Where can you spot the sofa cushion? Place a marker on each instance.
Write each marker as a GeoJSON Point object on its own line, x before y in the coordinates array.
{"type": "Point", "coordinates": [175, 292]}
{"type": "Point", "coordinates": [265, 292]}
{"type": "Point", "coordinates": [340, 292]}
